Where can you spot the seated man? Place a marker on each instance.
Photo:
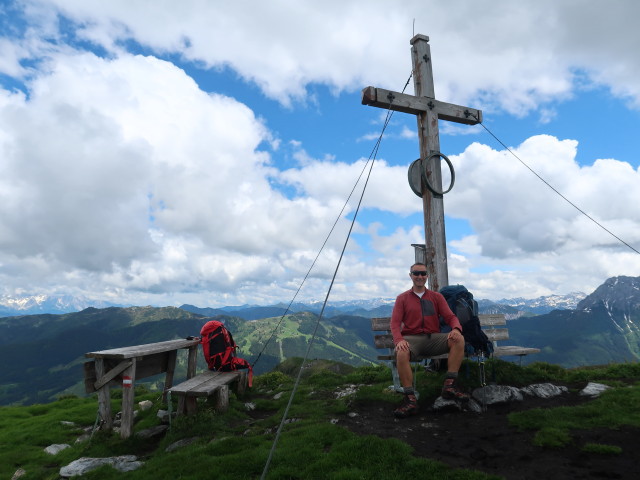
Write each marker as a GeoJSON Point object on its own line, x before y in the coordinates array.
{"type": "Point", "coordinates": [415, 326]}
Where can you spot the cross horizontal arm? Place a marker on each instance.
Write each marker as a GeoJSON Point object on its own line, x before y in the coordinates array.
{"type": "Point", "coordinates": [401, 102]}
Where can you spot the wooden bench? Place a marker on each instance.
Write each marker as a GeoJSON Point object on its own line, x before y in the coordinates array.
{"type": "Point", "coordinates": [494, 325]}
{"type": "Point", "coordinates": [209, 384]}
{"type": "Point", "coordinates": [125, 366]}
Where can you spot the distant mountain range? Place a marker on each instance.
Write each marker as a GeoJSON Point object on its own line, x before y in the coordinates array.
{"type": "Point", "coordinates": [45, 352]}
{"type": "Point", "coordinates": [60, 304]}
{"type": "Point", "coordinates": [514, 308]}
{"type": "Point", "coordinates": [35, 304]}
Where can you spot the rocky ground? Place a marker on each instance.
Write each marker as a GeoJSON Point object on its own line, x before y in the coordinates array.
{"type": "Point", "coordinates": [486, 442]}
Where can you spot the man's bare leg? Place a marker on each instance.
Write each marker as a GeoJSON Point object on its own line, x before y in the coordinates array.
{"type": "Point", "coordinates": [403, 365]}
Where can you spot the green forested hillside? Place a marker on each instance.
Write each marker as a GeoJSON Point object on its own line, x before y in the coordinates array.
{"type": "Point", "coordinates": [344, 339]}
{"type": "Point", "coordinates": [574, 338]}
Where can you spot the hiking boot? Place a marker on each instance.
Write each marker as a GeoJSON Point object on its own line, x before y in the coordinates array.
{"type": "Point", "coordinates": [408, 407]}
{"type": "Point", "coordinates": [451, 391]}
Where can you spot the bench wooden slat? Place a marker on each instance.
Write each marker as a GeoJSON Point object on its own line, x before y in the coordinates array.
{"type": "Point", "coordinates": [496, 334]}
{"type": "Point", "coordinates": [392, 357]}
{"type": "Point", "coordinates": [380, 324]}
{"type": "Point", "coordinates": [211, 384]}
{"type": "Point", "coordinates": [513, 350]}
{"type": "Point", "coordinates": [383, 341]}
{"type": "Point", "coordinates": [492, 319]}
{"type": "Point", "coordinates": [384, 323]}
{"type": "Point", "coordinates": [143, 350]}
{"type": "Point", "coordinates": [206, 382]}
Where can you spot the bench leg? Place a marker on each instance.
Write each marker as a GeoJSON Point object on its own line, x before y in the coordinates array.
{"type": "Point", "coordinates": [128, 389]}
{"type": "Point", "coordinates": [241, 384]}
{"type": "Point", "coordinates": [181, 405]}
{"type": "Point", "coordinates": [222, 398]}
{"type": "Point", "coordinates": [104, 397]}
{"type": "Point", "coordinates": [168, 379]}
{"type": "Point", "coordinates": [190, 404]}
{"type": "Point", "coordinates": [396, 378]}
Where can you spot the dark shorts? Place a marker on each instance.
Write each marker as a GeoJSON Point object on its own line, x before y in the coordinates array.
{"type": "Point", "coordinates": [427, 345]}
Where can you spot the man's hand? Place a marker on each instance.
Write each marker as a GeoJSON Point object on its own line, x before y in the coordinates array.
{"type": "Point", "coordinates": [455, 336]}
{"type": "Point", "coordinates": [402, 346]}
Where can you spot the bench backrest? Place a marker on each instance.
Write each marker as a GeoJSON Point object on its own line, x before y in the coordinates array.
{"type": "Point", "coordinates": [489, 324]}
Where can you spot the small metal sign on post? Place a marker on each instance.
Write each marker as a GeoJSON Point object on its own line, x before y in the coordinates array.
{"type": "Point", "coordinates": [425, 177]}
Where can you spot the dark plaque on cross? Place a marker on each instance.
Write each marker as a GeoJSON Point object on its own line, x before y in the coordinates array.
{"type": "Point", "coordinates": [428, 111]}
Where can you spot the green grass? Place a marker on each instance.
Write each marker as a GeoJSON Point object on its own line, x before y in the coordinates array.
{"type": "Point", "coordinates": [614, 408]}
{"type": "Point", "coordinates": [237, 444]}
{"type": "Point", "coordinates": [602, 449]}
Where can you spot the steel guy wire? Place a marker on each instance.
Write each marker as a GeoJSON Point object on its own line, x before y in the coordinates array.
{"type": "Point", "coordinates": [555, 190]}
{"type": "Point", "coordinates": [372, 155]}
{"type": "Point", "coordinates": [371, 160]}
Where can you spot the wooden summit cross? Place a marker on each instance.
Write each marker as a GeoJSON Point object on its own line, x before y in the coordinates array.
{"type": "Point", "coordinates": [428, 110]}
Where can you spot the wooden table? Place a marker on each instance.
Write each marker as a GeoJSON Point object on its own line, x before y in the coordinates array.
{"type": "Point", "coordinates": [123, 366]}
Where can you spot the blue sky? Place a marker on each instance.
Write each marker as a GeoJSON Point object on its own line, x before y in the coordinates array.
{"type": "Point", "coordinates": [199, 152]}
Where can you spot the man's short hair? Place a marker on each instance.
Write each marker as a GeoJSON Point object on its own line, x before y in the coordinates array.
{"type": "Point", "coordinates": [417, 264]}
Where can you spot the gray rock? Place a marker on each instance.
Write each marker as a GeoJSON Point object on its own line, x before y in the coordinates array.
{"type": "Point", "coordinates": [346, 391]}
{"type": "Point", "coordinates": [181, 443]}
{"type": "Point", "coordinates": [594, 389]}
{"type": "Point", "coordinates": [163, 415]}
{"type": "Point", "coordinates": [56, 448]}
{"type": "Point", "coordinates": [544, 390]}
{"type": "Point", "coordinates": [19, 473]}
{"type": "Point", "coordinates": [124, 463]}
{"type": "Point", "coordinates": [145, 405]}
{"type": "Point", "coordinates": [492, 394]}
{"type": "Point", "coordinates": [85, 437]}
{"type": "Point", "coordinates": [443, 404]}
{"type": "Point", "coordinates": [473, 406]}
{"type": "Point", "coordinates": [152, 432]}
{"type": "Point", "coordinates": [428, 425]}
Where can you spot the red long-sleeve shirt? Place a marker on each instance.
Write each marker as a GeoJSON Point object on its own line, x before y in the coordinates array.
{"type": "Point", "coordinates": [413, 315]}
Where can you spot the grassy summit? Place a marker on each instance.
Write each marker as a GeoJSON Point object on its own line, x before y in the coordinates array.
{"type": "Point", "coordinates": [318, 440]}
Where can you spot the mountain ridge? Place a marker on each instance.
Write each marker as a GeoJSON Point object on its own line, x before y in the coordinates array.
{"type": "Point", "coordinates": [61, 304]}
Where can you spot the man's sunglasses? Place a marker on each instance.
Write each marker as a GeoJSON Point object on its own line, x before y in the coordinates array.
{"type": "Point", "coordinates": [419, 273]}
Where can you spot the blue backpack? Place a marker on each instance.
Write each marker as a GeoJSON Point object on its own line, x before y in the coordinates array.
{"type": "Point", "coordinates": [461, 302]}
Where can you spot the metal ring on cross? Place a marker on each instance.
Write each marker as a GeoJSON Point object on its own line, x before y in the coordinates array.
{"type": "Point", "coordinates": [426, 180]}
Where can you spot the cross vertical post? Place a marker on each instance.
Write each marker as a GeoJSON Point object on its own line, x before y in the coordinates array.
{"type": "Point", "coordinates": [428, 111]}
{"type": "Point", "coordinates": [433, 205]}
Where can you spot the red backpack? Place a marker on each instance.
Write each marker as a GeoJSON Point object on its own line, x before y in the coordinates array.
{"type": "Point", "coordinates": [220, 349]}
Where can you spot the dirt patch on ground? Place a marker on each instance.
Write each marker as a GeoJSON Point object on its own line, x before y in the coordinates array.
{"type": "Point", "coordinates": [485, 441]}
